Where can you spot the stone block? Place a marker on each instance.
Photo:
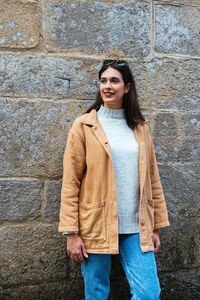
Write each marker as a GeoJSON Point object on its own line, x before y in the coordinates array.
{"type": "Point", "coordinates": [180, 247]}
{"type": "Point", "coordinates": [192, 124]}
{"type": "Point", "coordinates": [30, 254]}
{"type": "Point", "coordinates": [52, 199]}
{"type": "Point", "coordinates": [20, 199]}
{"type": "Point", "coordinates": [181, 185]}
{"type": "Point", "coordinates": [169, 84]}
{"type": "Point", "coordinates": [177, 29]}
{"type": "Point", "coordinates": [98, 27]}
{"type": "Point", "coordinates": [19, 27]}
{"type": "Point", "coordinates": [180, 242]}
{"type": "Point", "coordinates": [34, 135]}
{"type": "Point", "coordinates": [176, 136]}
{"type": "Point", "coordinates": [51, 77]}
{"type": "Point", "coordinates": [62, 290]}
{"type": "Point", "coordinates": [179, 285]}
{"type": "Point", "coordinates": [187, 150]}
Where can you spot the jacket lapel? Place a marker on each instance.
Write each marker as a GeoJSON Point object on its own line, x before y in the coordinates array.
{"type": "Point", "coordinates": [91, 119]}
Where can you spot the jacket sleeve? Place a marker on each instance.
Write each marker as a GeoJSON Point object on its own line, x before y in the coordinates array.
{"type": "Point", "coordinates": [73, 170]}
{"type": "Point", "coordinates": [160, 208]}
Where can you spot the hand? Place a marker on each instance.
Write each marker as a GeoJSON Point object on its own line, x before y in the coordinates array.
{"type": "Point", "coordinates": [76, 248]}
{"type": "Point", "coordinates": [156, 241]}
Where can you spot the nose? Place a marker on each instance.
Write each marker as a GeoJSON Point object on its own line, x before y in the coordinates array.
{"type": "Point", "coordinates": [108, 84]}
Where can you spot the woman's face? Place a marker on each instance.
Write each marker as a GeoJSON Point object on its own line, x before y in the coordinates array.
{"type": "Point", "coordinates": [112, 88]}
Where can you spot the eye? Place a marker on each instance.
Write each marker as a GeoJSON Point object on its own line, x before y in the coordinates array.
{"type": "Point", "coordinates": [115, 80]}
{"type": "Point", "coordinates": [102, 80]}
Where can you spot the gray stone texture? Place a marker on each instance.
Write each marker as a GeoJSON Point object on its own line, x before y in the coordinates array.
{"type": "Point", "coordinates": [50, 55]}
{"type": "Point", "coordinates": [98, 26]}
{"type": "Point", "coordinates": [176, 136]}
{"type": "Point", "coordinates": [20, 199]}
{"type": "Point", "coordinates": [175, 2]}
{"type": "Point", "coordinates": [184, 286]}
{"type": "Point", "coordinates": [52, 199]}
{"type": "Point", "coordinates": [177, 29]}
{"type": "Point", "coordinates": [162, 83]}
{"type": "Point", "coordinates": [34, 134]}
{"type": "Point", "coordinates": [179, 245]}
{"type": "Point", "coordinates": [180, 242]}
{"type": "Point", "coordinates": [44, 76]}
{"type": "Point", "coordinates": [181, 186]}
{"type": "Point", "coordinates": [31, 254]}
{"type": "Point", "coordinates": [171, 84]}
{"type": "Point", "coordinates": [62, 290]}
{"type": "Point", "coordinates": [19, 24]}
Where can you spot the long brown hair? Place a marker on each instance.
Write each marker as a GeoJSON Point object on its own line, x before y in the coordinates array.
{"type": "Point", "coordinates": [131, 106]}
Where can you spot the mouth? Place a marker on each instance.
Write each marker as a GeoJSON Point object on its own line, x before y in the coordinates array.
{"type": "Point", "coordinates": [108, 94]}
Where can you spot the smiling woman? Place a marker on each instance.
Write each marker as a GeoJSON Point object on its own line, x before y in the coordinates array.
{"type": "Point", "coordinates": [112, 200]}
{"type": "Point", "coordinates": [113, 88]}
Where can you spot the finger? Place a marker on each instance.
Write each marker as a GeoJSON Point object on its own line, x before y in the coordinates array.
{"type": "Point", "coordinates": [81, 259]}
{"type": "Point", "coordinates": [84, 251]}
{"type": "Point", "coordinates": [155, 249]}
{"type": "Point", "coordinates": [156, 246]}
{"type": "Point", "coordinates": [75, 257]}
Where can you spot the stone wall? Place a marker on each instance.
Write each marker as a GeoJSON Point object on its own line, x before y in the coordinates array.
{"type": "Point", "coordinates": [50, 52]}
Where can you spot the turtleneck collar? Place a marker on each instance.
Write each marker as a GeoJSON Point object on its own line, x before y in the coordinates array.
{"type": "Point", "coordinates": [111, 113]}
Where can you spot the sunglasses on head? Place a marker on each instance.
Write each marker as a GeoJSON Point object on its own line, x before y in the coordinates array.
{"type": "Point", "coordinates": [109, 62]}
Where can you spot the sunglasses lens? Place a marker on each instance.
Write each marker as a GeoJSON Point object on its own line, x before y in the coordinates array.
{"type": "Point", "coordinates": [108, 62]}
{"type": "Point", "coordinates": [120, 63]}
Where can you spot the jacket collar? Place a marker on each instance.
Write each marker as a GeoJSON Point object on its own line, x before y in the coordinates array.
{"type": "Point", "coordinates": [90, 118]}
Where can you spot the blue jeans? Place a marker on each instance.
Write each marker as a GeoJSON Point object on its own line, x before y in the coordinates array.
{"type": "Point", "coordinates": [140, 269]}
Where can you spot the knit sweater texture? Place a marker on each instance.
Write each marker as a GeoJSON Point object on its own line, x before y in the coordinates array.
{"type": "Point", "coordinates": [124, 149]}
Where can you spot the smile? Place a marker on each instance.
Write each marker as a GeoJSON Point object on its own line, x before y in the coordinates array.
{"type": "Point", "coordinates": [108, 94]}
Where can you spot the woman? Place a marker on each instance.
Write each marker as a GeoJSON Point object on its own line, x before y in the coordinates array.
{"type": "Point", "coordinates": [112, 200]}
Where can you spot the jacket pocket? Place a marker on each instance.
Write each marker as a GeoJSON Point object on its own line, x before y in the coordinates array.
{"type": "Point", "coordinates": [92, 221]}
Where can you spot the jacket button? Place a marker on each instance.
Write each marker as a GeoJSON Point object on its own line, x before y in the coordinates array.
{"type": "Point", "coordinates": [142, 223]}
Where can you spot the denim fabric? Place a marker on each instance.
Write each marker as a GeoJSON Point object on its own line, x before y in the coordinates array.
{"type": "Point", "coordinates": [140, 269]}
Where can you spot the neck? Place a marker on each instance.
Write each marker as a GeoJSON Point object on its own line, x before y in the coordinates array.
{"type": "Point", "coordinates": [113, 105]}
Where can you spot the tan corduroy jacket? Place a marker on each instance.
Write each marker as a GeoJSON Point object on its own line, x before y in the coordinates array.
{"type": "Point", "coordinates": [89, 198]}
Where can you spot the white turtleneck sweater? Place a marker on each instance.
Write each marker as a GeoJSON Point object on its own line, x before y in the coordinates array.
{"type": "Point", "coordinates": [124, 149]}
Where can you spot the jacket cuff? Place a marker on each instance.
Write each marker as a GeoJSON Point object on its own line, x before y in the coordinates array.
{"type": "Point", "coordinates": [161, 225]}
{"type": "Point", "coordinates": [62, 228]}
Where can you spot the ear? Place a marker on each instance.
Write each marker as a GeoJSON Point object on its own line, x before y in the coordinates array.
{"type": "Point", "coordinates": [127, 88]}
